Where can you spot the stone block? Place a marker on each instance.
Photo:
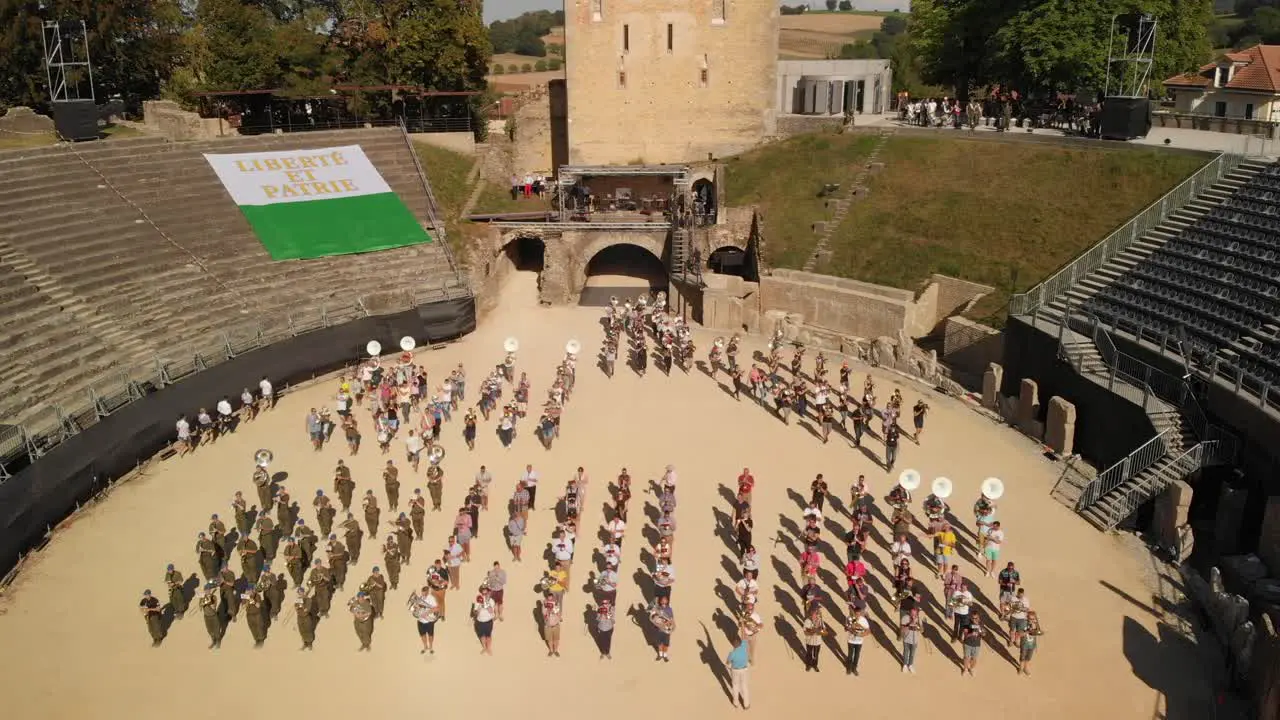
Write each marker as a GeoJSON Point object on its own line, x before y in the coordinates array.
{"type": "Point", "coordinates": [991, 381]}
{"type": "Point", "coordinates": [1028, 406]}
{"type": "Point", "coordinates": [882, 350]}
{"type": "Point", "coordinates": [1170, 515]}
{"type": "Point", "coordinates": [25, 121]}
{"type": "Point", "coordinates": [1060, 426]}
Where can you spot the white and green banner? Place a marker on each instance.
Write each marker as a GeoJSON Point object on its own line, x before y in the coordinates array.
{"type": "Point", "coordinates": [313, 203]}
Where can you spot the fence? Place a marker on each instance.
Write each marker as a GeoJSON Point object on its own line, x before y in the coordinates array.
{"type": "Point", "coordinates": [52, 424]}
{"type": "Point", "coordinates": [1122, 237]}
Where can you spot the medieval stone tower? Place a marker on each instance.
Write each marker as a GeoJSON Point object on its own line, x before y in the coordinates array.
{"type": "Point", "coordinates": [668, 81]}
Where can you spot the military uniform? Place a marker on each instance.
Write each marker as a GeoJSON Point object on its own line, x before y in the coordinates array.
{"type": "Point", "coordinates": [241, 509]}
{"type": "Point", "coordinates": [250, 557]}
{"type": "Point", "coordinates": [255, 615]}
{"type": "Point", "coordinates": [305, 608]}
{"type": "Point", "coordinates": [343, 485]}
{"type": "Point", "coordinates": [212, 618]}
{"type": "Point", "coordinates": [404, 535]}
{"type": "Point", "coordinates": [284, 511]}
{"type": "Point", "coordinates": [262, 482]}
{"type": "Point", "coordinates": [269, 588]}
{"type": "Point", "coordinates": [177, 594]}
{"type": "Point", "coordinates": [435, 487]}
{"type": "Point", "coordinates": [230, 599]}
{"type": "Point", "coordinates": [391, 477]}
{"type": "Point", "coordinates": [321, 583]}
{"type": "Point", "coordinates": [371, 513]}
{"type": "Point", "coordinates": [376, 588]}
{"type": "Point", "coordinates": [418, 513]}
{"type": "Point", "coordinates": [151, 613]}
{"type": "Point", "coordinates": [324, 514]}
{"type": "Point", "coordinates": [218, 534]}
{"type": "Point", "coordinates": [362, 610]}
{"type": "Point", "coordinates": [207, 554]}
{"type": "Point", "coordinates": [307, 541]}
{"type": "Point", "coordinates": [293, 561]}
{"type": "Point", "coordinates": [353, 536]}
{"type": "Point", "coordinates": [391, 557]}
{"type": "Point", "coordinates": [338, 558]}
{"type": "Point", "coordinates": [268, 538]}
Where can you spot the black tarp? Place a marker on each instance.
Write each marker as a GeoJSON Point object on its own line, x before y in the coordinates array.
{"type": "Point", "coordinates": [47, 490]}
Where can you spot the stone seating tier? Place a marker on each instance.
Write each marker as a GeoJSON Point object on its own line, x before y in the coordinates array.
{"type": "Point", "coordinates": [98, 277]}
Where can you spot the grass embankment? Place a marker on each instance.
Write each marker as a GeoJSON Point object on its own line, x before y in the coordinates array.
{"type": "Point", "coordinates": [784, 179]}
{"type": "Point", "coordinates": [448, 172]}
{"type": "Point", "coordinates": [1005, 214]}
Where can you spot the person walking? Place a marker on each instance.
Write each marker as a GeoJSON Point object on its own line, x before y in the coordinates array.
{"type": "Point", "coordinates": [482, 613]}
{"type": "Point", "coordinates": [972, 641]}
{"type": "Point", "coordinates": [739, 675]}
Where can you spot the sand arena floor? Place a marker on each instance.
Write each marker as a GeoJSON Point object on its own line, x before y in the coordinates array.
{"type": "Point", "coordinates": [74, 645]}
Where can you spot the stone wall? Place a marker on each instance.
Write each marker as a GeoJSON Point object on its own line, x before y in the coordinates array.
{"type": "Point", "coordinates": [956, 295]}
{"type": "Point", "coordinates": [532, 143]}
{"type": "Point", "coordinates": [164, 117]}
{"type": "Point", "coordinates": [788, 125]}
{"type": "Point", "coordinates": [463, 143]}
{"type": "Point", "coordinates": [632, 96]}
{"type": "Point", "coordinates": [20, 120]}
{"type": "Point", "coordinates": [969, 348]}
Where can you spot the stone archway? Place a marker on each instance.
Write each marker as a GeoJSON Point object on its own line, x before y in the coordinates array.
{"type": "Point", "coordinates": [621, 269]}
{"type": "Point", "coordinates": [729, 260]}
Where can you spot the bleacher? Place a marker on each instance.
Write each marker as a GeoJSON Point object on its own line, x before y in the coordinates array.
{"type": "Point", "coordinates": [117, 254]}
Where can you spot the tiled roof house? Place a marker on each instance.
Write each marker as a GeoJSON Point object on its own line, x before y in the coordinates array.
{"type": "Point", "coordinates": [1243, 84]}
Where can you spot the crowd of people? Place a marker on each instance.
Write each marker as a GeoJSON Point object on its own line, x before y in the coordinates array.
{"type": "Point", "coordinates": [395, 398]}
{"type": "Point", "coordinates": [1002, 109]}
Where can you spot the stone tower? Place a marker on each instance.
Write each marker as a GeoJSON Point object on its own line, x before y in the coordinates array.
{"type": "Point", "coordinates": [668, 81]}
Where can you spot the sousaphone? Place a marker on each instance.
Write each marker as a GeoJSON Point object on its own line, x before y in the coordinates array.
{"type": "Point", "coordinates": [407, 343]}
{"type": "Point", "coordinates": [263, 458]}
{"type": "Point", "coordinates": [573, 347]}
{"type": "Point", "coordinates": [374, 348]}
{"type": "Point", "coordinates": [435, 454]}
{"type": "Point", "coordinates": [992, 488]}
{"type": "Point", "coordinates": [942, 488]}
{"type": "Point", "coordinates": [909, 479]}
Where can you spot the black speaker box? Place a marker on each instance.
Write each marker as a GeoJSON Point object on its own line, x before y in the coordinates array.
{"type": "Point", "coordinates": [1125, 118]}
{"type": "Point", "coordinates": [76, 119]}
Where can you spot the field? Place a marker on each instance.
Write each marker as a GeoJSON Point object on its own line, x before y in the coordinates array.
{"type": "Point", "coordinates": [1006, 214]}
{"type": "Point", "coordinates": [448, 172]}
{"type": "Point", "coordinates": [815, 36]}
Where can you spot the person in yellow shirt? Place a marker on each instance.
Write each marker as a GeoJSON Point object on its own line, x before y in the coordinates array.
{"type": "Point", "coordinates": [557, 582]}
{"type": "Point", "coordinates": [944, 546]}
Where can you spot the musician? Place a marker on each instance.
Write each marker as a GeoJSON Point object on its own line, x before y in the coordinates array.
{"type": "Point", "coordinates": [391, 557]}
{"type": "Point", "coordinates": [818, 493]}
{"type": "Point", "coordinates": [667, 501]}
{"type": "Point", "coordinates": [482, 614]}
{"type": "Point", "coordinates": [425, 610]}
{"type": "Point", "coordinates": [607, 584]}
{"type": "Point", "coordinates": [918, 413]}
{"type": "Point", "coordinates": [1019, 610]}
{"type": "Point", "coordinates": [911, 627]}
{"type": "Point", "coordinates": [814, 630]}
{"type": "Point", "coordinates": [612, 556]}
{"type": "Point", "coordinates": [858, 628]}
{"type": "Point", "coordinates": [151, 613]}
{"type": "Point", "coordinates": [562, 546]}
{"type": "Point", "coordinates": [903, 582]}
{"type": "Point", "coordinates": [991, 551]}
{"type": "Point", "coordinates": [825, 418]}
{"type": "Point", "coordinates": [747, 590]}
{"type": "Point", "coordinates": [1030, 640]}
{"type": "Point", "coordinates": [343, 485]}
{"type": "Point", "coordinates": [255, 614]}
{"type": "Point", "coordinates": [622, 495]}
{"type": "Point", "coordinates": [743, 526]}
{"type": "Point", "coordinates": [898, 497]}
{"type": "Point", "coordinates": [952, 582]}
{"type": "Point", "coordinates": [667, 528]}
{"type": "Point", "coordinates": [662, 551]}
{"type": "Point", "coordinates": [571, 499]}
{"type": "Point", "coordinates": [1009, 580]}
{"type": "Point", "coordinates": [606, 618]}
{"type": "Point", "coordinates": [556, 581]}
{"type": "Point", "coordinates": [664, 577]}
{"type": "Point", "coordinates": [529, 478]}
{"type": "Point", "coordinates": [984, 512]}
{"type": "Point", "coordinates": [325, 512]}
{"type": "Point", "coordinates": [208, 601]}
{"type": "Point", "coordinates": [960, 603]}
{"type": "Point", "coordinates": [751, 560]}
{"type": "Point", "coordinates": [810, 561]}
{"type": "Point", "coordinates": [454, 555]}
{"type": "Point", "coordinates": [438, 584]}
{"type": "Point", "coordinates": [944, 547]}
{"type": "Point", "coordinates": [972, 641]}
{"type": "Point", "coordinates": [664, 619]}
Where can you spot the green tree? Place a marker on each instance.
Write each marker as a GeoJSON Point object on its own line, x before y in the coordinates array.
{"type": "Point", "coordinates": [498, 69]}
{"type": "Point", "coordinates": [526, 68]}
{"type": "Point", "coordinates": [553, 64]}
{"type": "Point", "coordinates": [831, 5]}
{"type": "Point", "coordinates": [1264, 23]}
{"type": "Point", "coordinates": [512, 69]}
{"type": "Point", "coordinates": [894, 24]}
{"type": "Point", "coordinates": [846, 5]}
{"type": "Point", "coordinates": [540, 66]}
{"type": "Point", "coordinates": [241, 54]}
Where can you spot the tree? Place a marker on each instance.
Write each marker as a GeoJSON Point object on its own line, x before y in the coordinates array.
{"type": "Point", "coordinates": [554, 64]}
{"type": "Point", "coordinates": [526, 68]}
{"type": "Point", "coordinates": [498, 69]}
{"type": "Point", "coordinates": [540, 66]}
{"type": "Point", "coordinates": [241, 54]}
{"type": "Point", "coordinates": [1264, 23]}
{"type": "Point", "coordinates": [512, 69]}
{"type": "Point", "coordinates": [831, 5]}
{"type": "Point", "coordinates": [846, 5]}
{"type": "Point", "coordinates": [894, 24]}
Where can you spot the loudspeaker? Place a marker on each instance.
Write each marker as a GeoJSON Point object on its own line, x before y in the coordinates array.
{"type": "Point", "coordinates": [1125, 118]}
{"type": "Point", "coordinates": [76, 119]}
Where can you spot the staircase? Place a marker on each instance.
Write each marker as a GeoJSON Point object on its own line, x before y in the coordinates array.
{"type": "Point", "coordinates": [1090, 283]}
{"type": "Point", "coordinates": [679, 253]}
{"type": "Point", "coordinates": [821, 251]}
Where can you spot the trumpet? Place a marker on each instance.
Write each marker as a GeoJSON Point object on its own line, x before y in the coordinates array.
{"type": "Point", "coordinates": [434, 472]}
{"type": "Point", "coordinates": [858, 630]}
{"type": "Point", "coordinates": [821, 631]}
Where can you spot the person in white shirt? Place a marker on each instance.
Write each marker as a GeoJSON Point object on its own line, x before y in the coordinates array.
{"type": "Point", "coordinates": [960, 603]}
{"type": "Point", "coordinates": [266, 394]}
{"type": "Point", "coordinates": [455, 552]}
{"type": "Point", "coordinates": [900, 549]}
{"type": "Point", "coordinates": [669, 478]}
{"type": "Point", "coordinates": [482, 612]}
{"type": "Point", "coordinates": [995, 538]}
{"type": "Point", "coordinates": [607, 584]}
{"type": "Point", "coordinates": [747, 589]}
{"type": "Point", "coordinates": [184, 435]}
{"type": "Point", "coordinates": [413, 448]}
{"type": "Point", "coordinates": [612, 555]}
{"type": "Point", "coordinates": [426, 611]}
{"type": "Point", "coordinates": [859, 628]}
{"type": "Point", "coordinates": [562, 549]}
{"type": "Point", "coordinates": [247, 406]}
{"type": "Point", "coordinates": [616, 528]}
{"type": "Point", "coordinates": [224, 415]}
{"type": "Point", "coordinates": [1018, 623]}
{"type": "Point", "coordinates": [530, 479]}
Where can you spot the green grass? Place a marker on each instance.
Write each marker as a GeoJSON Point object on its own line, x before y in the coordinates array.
{"type": "Point", "coordinates": [1005, 214]}
{"type": "Point", "coordinates": [119, 131]}
{"type": "Point", "coordinates": [784, 180]}
{"type": "Point", "coordinates": [447, 171]}
{"type": "Point", "coordinates": [15, 141]}
{"type": "Point", "coordinates": [496, 198]}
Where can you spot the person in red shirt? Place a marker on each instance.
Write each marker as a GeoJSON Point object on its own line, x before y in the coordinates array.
{"type": "Point", "coordinates": [746, 483]}
{"type": "Point", "coordinates": [810, 560]}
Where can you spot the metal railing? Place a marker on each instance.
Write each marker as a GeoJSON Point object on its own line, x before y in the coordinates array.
{"type": "Point", "coordinates": [53, 423]}
{"type": "Point", "coordinates": [1147, 454]}
{"type": "Point", "coordinates": [433, 209]}
{"type": "Point", "coordinates": [1174, 470]}
{"type": "Point", "coordinates": [1122, 237]}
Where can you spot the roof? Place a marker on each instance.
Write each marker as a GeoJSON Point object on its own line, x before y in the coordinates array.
{"type": "Point", "coordinates": [1257, 70]}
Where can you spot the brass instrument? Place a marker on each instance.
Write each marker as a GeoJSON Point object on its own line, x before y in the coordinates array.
{"type": "Point", "coordinates": [748, 625]}
{"type": "Point", "coordinates": [958, 601]}
{"type": "Point", "coordinates": [263, 458]}
{"type": "Point", "coordinates": [434, 472]}
{"type": "Point", "coordinates": [821, 631]}
{"type": "Point", "coordinates": [435, 454]}
{"type": "Point", "coordinates": [858, 630]}
{"type": "Point", "coordinates": [660, 620]}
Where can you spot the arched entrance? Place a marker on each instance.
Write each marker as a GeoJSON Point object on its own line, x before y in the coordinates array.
{"type": "Point", "coordinates": [732, 260]}
{"type": "Point", "coordinates": [704, 201]}
{"type": "Point", "coordinates": [527, 253]}
{"type": "Point", "coordinates": [622, 270]}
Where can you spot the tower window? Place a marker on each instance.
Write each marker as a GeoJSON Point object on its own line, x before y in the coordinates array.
{"type": "Point", "coordinates": [626, 38]}
{"type": "Point", "coordinates": [717, 11]}
{"type": "Point", "coordinates": [671, 37]}
{"type": "Point", "coordinates": [703, 73]}
{"type": "Point", "coordinates": [597, 10]}
{"type": "Point", "coordinates": [622, 72]}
